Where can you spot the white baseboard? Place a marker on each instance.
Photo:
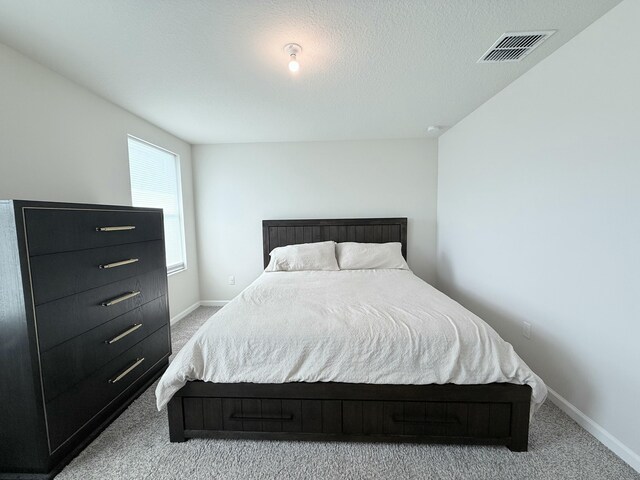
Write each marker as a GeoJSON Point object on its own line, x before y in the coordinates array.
{"type": "Point", "coordinates": [184, 313]}
{"type": "Point", "coordinates": [608, 440]}
{"type": "Point", "coordinates": [204, 303]}
{"type": "Point", "coordinates": [214, 303]}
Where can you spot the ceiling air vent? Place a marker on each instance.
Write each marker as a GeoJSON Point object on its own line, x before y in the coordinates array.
{"type": "Point", "coordinates": [514, 46]}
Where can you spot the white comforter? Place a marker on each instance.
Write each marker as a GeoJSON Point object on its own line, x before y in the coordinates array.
{"type": "Point", "coordinates": [356, 326]}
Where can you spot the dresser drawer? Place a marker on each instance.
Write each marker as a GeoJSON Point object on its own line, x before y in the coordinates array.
{"type": "Point", "coordinates": [58, 275]}
{"type": "Point", "coordinates": [74, 360]}
{"type": "Point", "coordinates": [68, 317]}
{"type": "Point", "coordinates": [71, 410]}
{"type": "Point", "coordinates": [55, 230]}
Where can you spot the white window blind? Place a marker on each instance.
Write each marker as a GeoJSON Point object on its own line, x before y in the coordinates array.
{"type": "Point", "coordinates": [155, 183]}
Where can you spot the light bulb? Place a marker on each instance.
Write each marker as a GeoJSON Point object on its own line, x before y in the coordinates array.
{"type": "Point", "coordinates": [294, 66]}
{"type": "Point", "coordinates": [293, 49]}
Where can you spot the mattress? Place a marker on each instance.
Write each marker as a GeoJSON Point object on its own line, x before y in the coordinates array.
{"type": "Point", "coordinates": [353, 326]}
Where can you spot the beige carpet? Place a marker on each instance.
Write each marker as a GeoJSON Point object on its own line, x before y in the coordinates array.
{"type": "Point", "coordinates": [136, 446]}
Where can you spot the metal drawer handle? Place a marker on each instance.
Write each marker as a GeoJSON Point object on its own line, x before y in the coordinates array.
{"type": "Point", "coordinates": [118, 264]}
{"type": "Point", "coordinates": [126, 371]}
{"type": "Point", "coordinates": [399, 419]}
{"type": "Point", "coordinates": [122, 298]}
{"type": "Point", "coordinates": [268, 418]}
{"type": "Point", "coordinates": [115, 229]}
{"type": "Point", "coordinates": [124, 334]}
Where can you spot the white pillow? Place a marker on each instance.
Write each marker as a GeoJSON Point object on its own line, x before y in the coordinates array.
{"type": "Point", "coordinates": [304, 256]}
{"type": "Point", "coordinates": [361, 256]}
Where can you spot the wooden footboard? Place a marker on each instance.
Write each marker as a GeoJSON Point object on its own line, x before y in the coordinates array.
{"type": "Point", "coordinates": [494, 414]}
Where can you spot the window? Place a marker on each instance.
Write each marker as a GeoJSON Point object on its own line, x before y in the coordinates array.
{"type": "Point", "coordinates": [155, 183]}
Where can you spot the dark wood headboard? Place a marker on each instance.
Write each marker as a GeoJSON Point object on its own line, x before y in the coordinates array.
{"type": "Point", "coordinates": [278, 233]}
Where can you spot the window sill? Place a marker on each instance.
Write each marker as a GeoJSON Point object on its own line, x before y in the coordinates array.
{"type": "Point", "coordinates": [176, 270]}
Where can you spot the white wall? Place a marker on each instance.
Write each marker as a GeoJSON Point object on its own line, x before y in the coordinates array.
{"type": "Point", "coordinates": [60, 142]}
{"type": "Point", "coordinates": [238, 186]}
{"type": "Point", "coordinates": [539, 220]}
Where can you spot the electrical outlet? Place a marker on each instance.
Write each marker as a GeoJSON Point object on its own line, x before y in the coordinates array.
{"type": "Point", "coordinates": [526, 330]}
{"type": "Point", "coordinates": [232, 280]}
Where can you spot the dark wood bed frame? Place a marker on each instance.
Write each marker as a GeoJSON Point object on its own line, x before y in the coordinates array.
{"type": "Point", "coordinates": [495, 414]}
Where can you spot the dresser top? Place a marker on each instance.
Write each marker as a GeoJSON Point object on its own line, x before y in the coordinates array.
{"type": "Point", "coordinates": [75, 206]}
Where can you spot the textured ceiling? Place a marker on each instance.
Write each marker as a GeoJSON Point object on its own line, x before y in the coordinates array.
{"type": "Point", "coordinates": [214, 71]}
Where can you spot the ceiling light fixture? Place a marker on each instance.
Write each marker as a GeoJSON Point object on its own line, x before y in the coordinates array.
{"type": "Point", "coordinates": [293, 50]}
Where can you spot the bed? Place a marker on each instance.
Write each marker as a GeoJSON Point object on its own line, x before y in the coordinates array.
{"type": "Point", "coordinates": [348, 356]}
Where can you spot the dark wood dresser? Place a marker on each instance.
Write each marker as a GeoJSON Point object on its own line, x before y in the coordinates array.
{"type": "Point", "coordinates": [84, 325]}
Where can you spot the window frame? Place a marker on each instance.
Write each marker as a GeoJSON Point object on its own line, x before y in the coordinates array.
{"type": "Point", "coordinates": [178, 164]}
